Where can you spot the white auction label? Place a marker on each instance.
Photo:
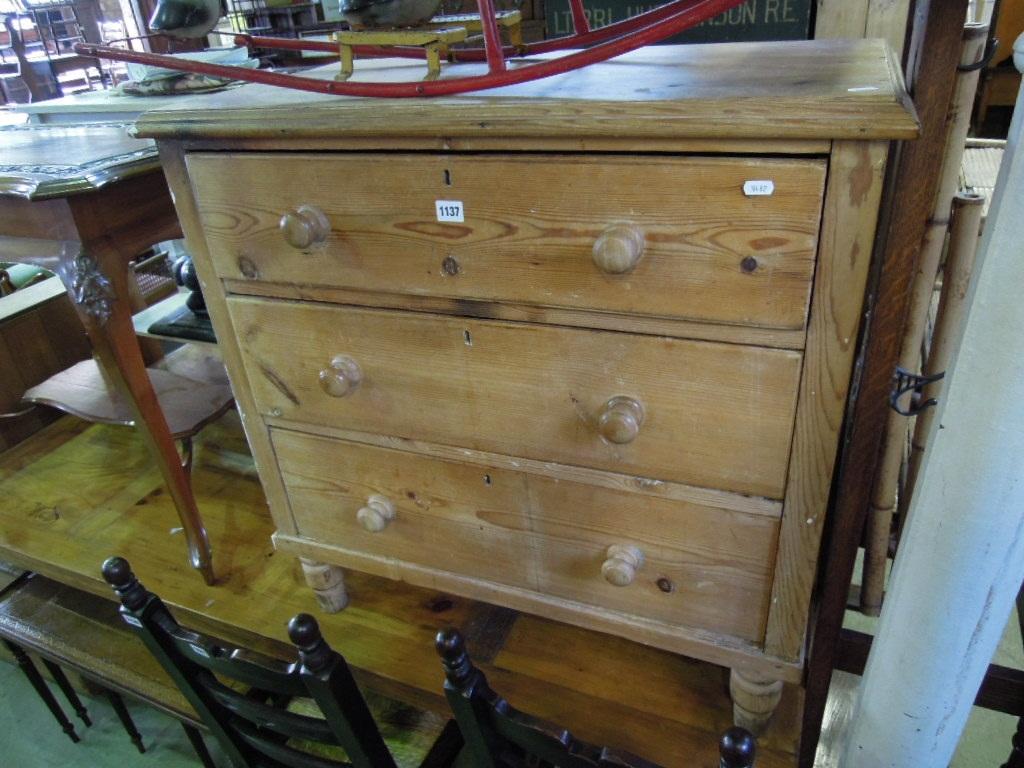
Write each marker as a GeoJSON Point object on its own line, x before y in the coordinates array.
{"type": "Point", "coordinates": [450, 210]}
{"type": "Point", "coordinates": [758, 187]}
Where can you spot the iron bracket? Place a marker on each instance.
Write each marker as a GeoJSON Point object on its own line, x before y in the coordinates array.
{"type": "Point", "coordinates": [903, 382]}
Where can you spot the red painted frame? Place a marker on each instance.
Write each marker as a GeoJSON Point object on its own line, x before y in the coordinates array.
{"type": "Point", "coordinates": [598, 45]}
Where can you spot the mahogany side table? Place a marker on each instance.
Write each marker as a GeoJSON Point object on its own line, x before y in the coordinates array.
{"type": "Point", "coordinates": [83, 201]}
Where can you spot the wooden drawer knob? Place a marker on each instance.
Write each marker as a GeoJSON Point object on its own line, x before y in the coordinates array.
{"type": "Point", "coordinates": [377, 514]}
{"type": "Point", "coordinates": [341, 378]}
{"type": "Point", "coordinates": [620, 420]}
{"type": "Point", "coordinates": [619, 248]}
{"type": "Point", "coordinates": [623, 562]}
{"type": "Point", "coordinates": [305, 227]}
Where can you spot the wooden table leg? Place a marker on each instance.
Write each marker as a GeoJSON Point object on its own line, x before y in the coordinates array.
{"type": "Point", "coordinates": [96, 281]}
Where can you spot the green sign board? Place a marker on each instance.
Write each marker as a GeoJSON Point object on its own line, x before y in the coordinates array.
{"type": "Point", "coordinates": [754, 20]}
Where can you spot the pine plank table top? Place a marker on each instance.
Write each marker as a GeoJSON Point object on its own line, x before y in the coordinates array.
{"type": "Point", "coordinates": [77, 493]}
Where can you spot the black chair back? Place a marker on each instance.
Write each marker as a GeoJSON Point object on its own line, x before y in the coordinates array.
{"type": "Point", "coordinates": [253, 726]}
{"type": "Point", "coordinates": [498, 736]}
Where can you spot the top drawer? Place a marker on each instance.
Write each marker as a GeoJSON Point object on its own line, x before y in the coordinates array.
{"type": "Point", "coordinates": [532, 229]}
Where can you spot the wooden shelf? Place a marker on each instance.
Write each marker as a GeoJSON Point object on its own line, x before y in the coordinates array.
{"type": "Point", "coordinates": [190, 384]}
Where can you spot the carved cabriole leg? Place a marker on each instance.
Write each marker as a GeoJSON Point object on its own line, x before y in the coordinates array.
{"type": "Point", "coordinates": [754, 699]}
{"type": "Point", "coordinates": [328, 584]}
{"type": "Point", "coordinates": [97, 285]}
{"type": "Point", "coordinates": [113, 226]}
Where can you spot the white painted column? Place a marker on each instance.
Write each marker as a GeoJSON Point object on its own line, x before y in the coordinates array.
{"type": "Point", "coordinates": [961, 559]}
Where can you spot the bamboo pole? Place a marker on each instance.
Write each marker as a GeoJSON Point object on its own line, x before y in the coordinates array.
{"type": "Point", "coordinates": [961, 560]}
{"type": "Point", "coordinates": [949, 320]}
{"type": "Point", "coordinates": [883, 503]}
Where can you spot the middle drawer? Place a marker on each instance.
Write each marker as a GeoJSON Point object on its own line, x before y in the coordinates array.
{"type": "Point", "coordinates": [701, 413]}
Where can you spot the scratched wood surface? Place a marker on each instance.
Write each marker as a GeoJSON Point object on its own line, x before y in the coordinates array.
{"type": "Point", "coordinates": [77, 493]}
{"type": "Point", "coordinates": [794, 90]}
{"type": "Point", "coordinates": [711, 253]}
{"type": "Point", "coordinates": [937, 43]}
{"type": "Point", "coordinates": [537, 533]}
{"type": "Point", "coordinates": [716, 415]}
{"type": "Point", "coordinates": [855, 188]}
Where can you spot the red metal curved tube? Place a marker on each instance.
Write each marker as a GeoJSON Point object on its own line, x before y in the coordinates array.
{"type": "Point", "coordinates": [580, 24]}
{"type": "Point", "coordinates": [576, 40]}
{"type": "Point", "coordinates": [492, 37]}
{"type": "Point", "coordinates": [625, 36]}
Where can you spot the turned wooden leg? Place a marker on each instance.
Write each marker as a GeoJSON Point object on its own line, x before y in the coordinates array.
{"type": "Point", "coordinates": [126, 719]}
{"type": "Point", "coordinates": [754, 699]}
{"type": "Point", "coordinates": [68, 690]}
{"type": "Point", "coordinates": [328, 583]}
{"type": "Point", "coordinates": [36, 679]}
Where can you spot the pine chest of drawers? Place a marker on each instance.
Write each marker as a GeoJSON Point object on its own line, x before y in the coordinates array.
{"type": "Point", "coordinates": [581, 347]}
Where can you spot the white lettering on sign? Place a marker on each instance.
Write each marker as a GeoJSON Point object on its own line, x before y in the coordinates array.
{"type": "Point", "coordinates": [450, 210]}
{"type": "Point", "coordinates": [758, 187]}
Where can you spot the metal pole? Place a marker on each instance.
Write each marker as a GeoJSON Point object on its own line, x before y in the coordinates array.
{"type": "Point", "coordinates": [962, 558]}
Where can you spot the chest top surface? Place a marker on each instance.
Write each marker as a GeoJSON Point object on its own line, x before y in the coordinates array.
{"type": "Point", "coordinates": [833, 89]}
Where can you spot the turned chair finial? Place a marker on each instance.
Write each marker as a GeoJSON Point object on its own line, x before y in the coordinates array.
{"type": "Point", "coordinates": [304, 633]}
{"type": "Point", "coordinates": [118, 573]}
{"type": "Point", "coordinates": [451, 647]}
{"type": "Point", "coordinates": [737, 748]}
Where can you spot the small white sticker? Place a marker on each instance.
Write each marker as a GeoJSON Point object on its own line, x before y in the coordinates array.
{"type": "Point", "coordinates": [758, 187]}
{"type": "Point", "coordinates": [450, 210]}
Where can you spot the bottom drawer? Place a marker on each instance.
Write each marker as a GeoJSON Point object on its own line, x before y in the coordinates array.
{"type": "Point", "coordinates": [703, 566]}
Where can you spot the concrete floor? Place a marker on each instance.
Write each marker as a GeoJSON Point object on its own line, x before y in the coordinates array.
{"type": "Point", "coordinates": [31, 738]}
